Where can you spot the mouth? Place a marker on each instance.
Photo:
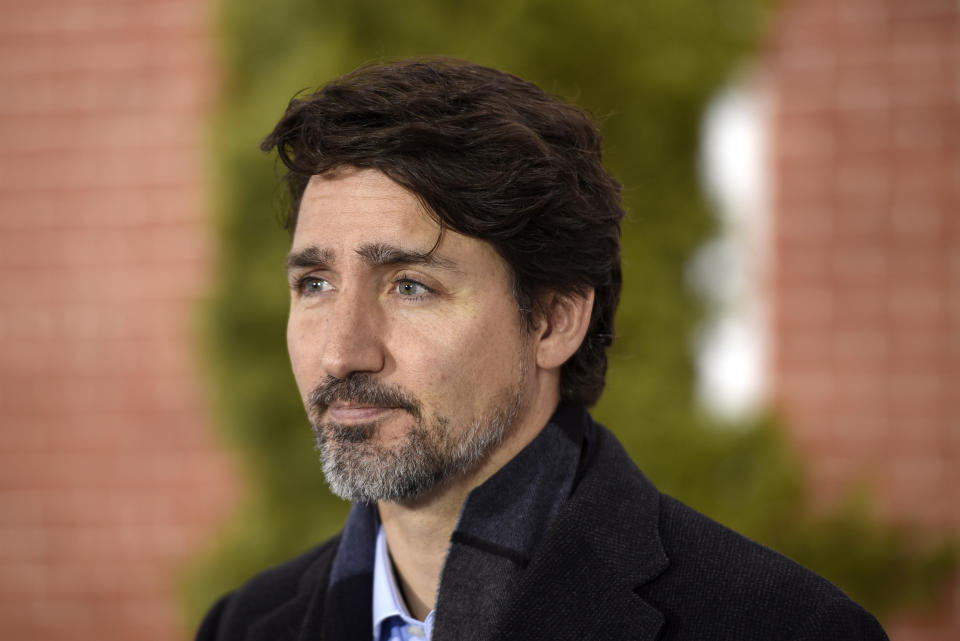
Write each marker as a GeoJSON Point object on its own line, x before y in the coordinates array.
{"type": "Point", "coordinates": [349, 413]}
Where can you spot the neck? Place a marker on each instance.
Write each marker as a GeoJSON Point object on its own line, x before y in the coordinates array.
{"type": "Point", "coordinates": [418, 531]}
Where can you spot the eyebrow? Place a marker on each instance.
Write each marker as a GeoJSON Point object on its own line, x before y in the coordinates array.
{"type": "Point", "coordinates": [311, 257]}
{"type": "Point", "coordinates": [374, 254]}
{"type": "Point", "coordinates": [382, 254]}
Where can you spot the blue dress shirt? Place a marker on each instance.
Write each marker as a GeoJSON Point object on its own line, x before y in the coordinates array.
{"type": "Point", "coordinates": [391, 619]}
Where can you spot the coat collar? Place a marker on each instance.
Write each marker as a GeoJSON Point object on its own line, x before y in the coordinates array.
{"type": "Point", "coordinates": [501, 526]}
{"type": "Point", "coordinates": [602, 539]}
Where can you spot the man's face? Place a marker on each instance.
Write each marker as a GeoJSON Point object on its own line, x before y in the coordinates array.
{"type": "Point", "coordinates": [410, 354]}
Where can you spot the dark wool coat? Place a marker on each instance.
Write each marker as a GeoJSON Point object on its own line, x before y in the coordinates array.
{"type": "Point", "coordinates": [615, 560]}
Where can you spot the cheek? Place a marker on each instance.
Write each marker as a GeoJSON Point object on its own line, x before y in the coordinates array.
{"type": "Point", "coordinates": [430, 355]}
{"type": "Point", "coordinates": [299, 348]}
{"type": "Point", "coordinates": [460, 361]}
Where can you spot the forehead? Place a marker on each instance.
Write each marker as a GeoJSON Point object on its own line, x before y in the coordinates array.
{"type": "Point", "coordinates": [350, 208]}
{"type": "Point", "coordinates": [355, 202]}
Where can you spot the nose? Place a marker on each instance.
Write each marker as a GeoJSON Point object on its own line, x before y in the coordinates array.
{"type": "Point", "coordinates": [352, 341]}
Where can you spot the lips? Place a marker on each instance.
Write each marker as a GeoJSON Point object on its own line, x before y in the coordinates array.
{"type": "Point", "coordinates": [358, 398]}
{"type": "Point", "coordinates": [347, 413]}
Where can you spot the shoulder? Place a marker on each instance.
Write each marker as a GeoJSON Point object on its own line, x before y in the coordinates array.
{"type": "Point", "coordinates": [714, 553]}
{"type": "Point", "coordinates": [717, 583]}
{"type": "Point", "coordinates": [721, 559]}
{"type": "Point", "coordinates": [281, 591]}
{"type": "Point", "coordinates": [721, 578]}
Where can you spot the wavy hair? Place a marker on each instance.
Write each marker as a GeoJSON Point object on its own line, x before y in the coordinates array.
{"type": "Point", "coordinates": [494, 157]}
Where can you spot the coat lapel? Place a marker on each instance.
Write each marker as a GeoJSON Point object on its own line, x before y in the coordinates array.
{"type": "Point", "coordinates": [604, 543]}
{"type": "Point", "coordinates": [551, 605]}
{"type": "Point", "coordinates": [346, 610]}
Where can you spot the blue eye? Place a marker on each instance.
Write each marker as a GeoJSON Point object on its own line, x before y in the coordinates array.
{"type": "Point", "coordinates": [312, 285]}
{"type": "Point", "coordinates": [411, 288]}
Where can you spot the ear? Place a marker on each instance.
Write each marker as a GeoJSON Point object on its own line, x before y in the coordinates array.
{"type": "Point", "coordinates": [561, 327]}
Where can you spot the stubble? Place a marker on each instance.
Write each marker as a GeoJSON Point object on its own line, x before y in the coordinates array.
{"type": "Point", "coordinates": [359, 467]}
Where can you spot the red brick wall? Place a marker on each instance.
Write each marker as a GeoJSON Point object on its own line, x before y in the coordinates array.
{"type": "Point", "coordinates": [109, 479]}
{"type": "Point", "coordinates": [867, 250]}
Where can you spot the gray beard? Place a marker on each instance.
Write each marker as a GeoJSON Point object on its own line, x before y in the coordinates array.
{"type": "Point", "coordinates": [359, 469]}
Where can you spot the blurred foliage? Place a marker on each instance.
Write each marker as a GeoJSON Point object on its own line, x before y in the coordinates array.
{"type": "Point", "coordinates": [646, 69]}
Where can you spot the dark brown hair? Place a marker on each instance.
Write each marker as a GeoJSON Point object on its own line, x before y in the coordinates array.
{"type": "Point", "coordinates": [494, 157]}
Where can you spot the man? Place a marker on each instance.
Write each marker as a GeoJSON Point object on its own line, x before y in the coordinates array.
{"type": "Point", "coordinates": [454, 274]}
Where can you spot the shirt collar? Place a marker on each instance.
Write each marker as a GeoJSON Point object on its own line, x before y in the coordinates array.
{"type": "Point", "coordinates": [387, 602]}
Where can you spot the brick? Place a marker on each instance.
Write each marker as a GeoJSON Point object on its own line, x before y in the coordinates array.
{"type": "Point", "coordinates": [60, 512]}
{"type": "Point", "coordinates": [805, 349]}
{"type": "Point", "coordinates": [69, 170]}
{"type": "Point", "coordinates": [917, 390]}
{"type": "Point", "coordinates": [131, 579]}
{"type": "Point", "coordinates": [158, 468]}
{"type": "Point", "coordinates": [862, 306]}
{"type": "Point", "coordinates": [918, 260]}
{"type": "Point", "coordinates": [921, 347]}
{"type": "Point", "coordinates": [159, 244]}
{"type": "Point", "coordinates": [809, 28]}
{"type": "Point", "coordinates": [861, 437]}
{"type": "Point", "coordinates": [929, 10]}
{"type": "Point", "coordinates": [920, 84]}
{"type": "Point", "coordinates": [809, 186]}
{"type": "Point", "coordinates": [66, 617]}
{"type": "Point", "coordinates": [806, 140]}
{"type": "Point", "coordinates": [859, 12]}
{"type": "Point", "coordinates": [90, 320]}
{"type": "Point", "coordinates": [89, 209]}
{"type": "Point", "coordinates": [153, 285]}
{"type": "Point", "coordinates": [863, 135]}
{"type": "Point", "coordinates": [923, 127]}
{"type": "Point", "coordinates": [26, 59]}
{"type": "Point", "coordinates": [810, 269]}
{"type": "Point", "coordinates": [55, 19]}
{"type": "Point", "coordinates": [810, 224]}
{"type": "Point", "coordinates": [811, 62]}
{"type": "Point", "coordinates": [133, 357]}
{"type": "Point", "coordinates": [859, 95]}
{"type": "Point", "coordinates": [861, 347]}
{"type": "Point", "coordinates": [117, 92]}
{"type": "Point", "coordinates": [916, 307]}
{"type": "Point", "coordinates": [97, 132]}
{"type": "Point", "coordinates": [870, 65]}
{"type": "Point", "coordinates": [915, 184]}
{"type": "Point", "coordinates": [812, 387]}
{"type": "Point", "coordinates": [110, 394]}
{"type": "Point", "coordinates": [920, 434]}
{"type": "Point", "coordinates": [102, 431]}
{"type": "Point", "coordinates": [915, 220]}
{"type": "Point", "coordinates": [804, 308]}
{"type": "Point", "coordinates": [857, 389]}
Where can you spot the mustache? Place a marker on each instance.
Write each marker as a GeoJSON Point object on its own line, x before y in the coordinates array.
{"type": "Point", "coordinates": [360, 389]}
